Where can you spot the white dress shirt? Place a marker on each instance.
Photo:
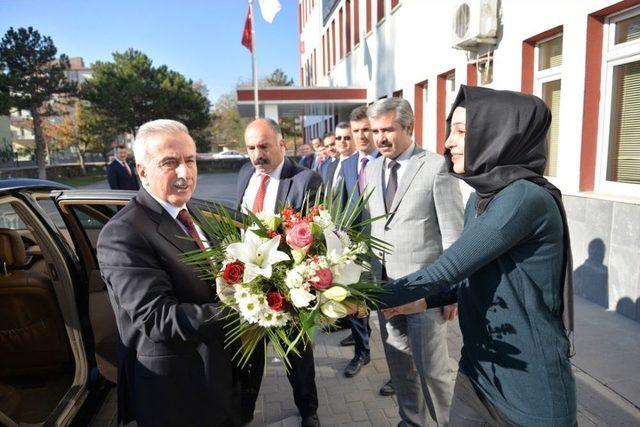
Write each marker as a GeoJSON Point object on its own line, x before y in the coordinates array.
{"type": "Point", "coordinates": [174, 211]}
{"type": "Point", "coordinates": [270, 197]}
{"type": "Point", "coordinates": [402, 160]}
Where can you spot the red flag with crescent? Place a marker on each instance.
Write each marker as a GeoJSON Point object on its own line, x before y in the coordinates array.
{"type": "Point", "coordinates": [246, 33]}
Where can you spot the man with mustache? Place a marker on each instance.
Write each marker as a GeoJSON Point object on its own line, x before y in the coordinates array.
{"type": "Point", "coordinates": [266, 184]}
{"type": "Point", "coordinates": [424, 207]}
{"type": "Point", "coordinates": [173, 368]}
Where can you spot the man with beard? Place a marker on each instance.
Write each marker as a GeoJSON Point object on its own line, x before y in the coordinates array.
{"type": "Point", "coordinates": [173, 368]}
{"type": "Point", "coordinates": [266, 184]}
{"type": "Point", "coordinates": [423, 205]}
{"type": "Point", "coordinates": [331, 159]}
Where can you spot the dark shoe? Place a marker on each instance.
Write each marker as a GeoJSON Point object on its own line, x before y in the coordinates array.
{"type": "Point", "coordinates": [355, 365]}
{"type": "Point", "coordinates": [387, 389]}
{"type": "Point", "coordinates": [347, 341]}
{"type": "Point", "coordinates": [310, 421]}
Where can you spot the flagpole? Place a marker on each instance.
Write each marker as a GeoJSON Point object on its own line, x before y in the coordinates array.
{"type": "Point", "coordinates": [254, 63]}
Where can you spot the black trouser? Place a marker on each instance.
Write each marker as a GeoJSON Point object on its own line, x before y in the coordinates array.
{"type": "Point", "coordinates": [301, 376]}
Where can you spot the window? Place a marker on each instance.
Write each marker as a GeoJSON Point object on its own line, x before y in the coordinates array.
{"type": "Point", "coordinates": [619, 152]}
{"type": "Point", "coordinates": [348, 25]}
{"type": "Point", "coordinates": [341, 39]}
{"type": "Point", "coordinates": [356, 22]}
{"type": "Point", "coordinates": [397, 94]}
{"type": "Point", "coordinates": [380, 10]}
{"type": "Point", "coordinates": [333, 42]}
{"type": "Point", "coordinates": [394, 3]}
{"type": "Point", "coordinates": [446, 95]}
{"type": "Point", "coordinates": [368, 16]}
{"type": "Point", "coordinates": [548, 85]}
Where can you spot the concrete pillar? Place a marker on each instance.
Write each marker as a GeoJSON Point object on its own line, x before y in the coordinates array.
{"type": "Point", "coordinates": [271, 112]}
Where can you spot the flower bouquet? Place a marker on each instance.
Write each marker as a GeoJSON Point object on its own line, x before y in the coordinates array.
{"type": "Point", "coordinates": [285, 275]}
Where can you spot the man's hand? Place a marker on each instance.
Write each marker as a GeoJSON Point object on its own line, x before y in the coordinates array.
{"type": "Point", "coordinates": [449, 312]}
{"type": "Point", "coordinates": [417, 306]}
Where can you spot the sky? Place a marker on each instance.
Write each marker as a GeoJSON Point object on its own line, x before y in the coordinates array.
{"type": "Point", "coordinates": [198, 38]}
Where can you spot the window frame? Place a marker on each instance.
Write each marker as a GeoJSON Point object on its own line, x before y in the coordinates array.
{"type": "Point", "coordinates": [612, 55]}
{"type": "Point", "coordinates": [540, 77]}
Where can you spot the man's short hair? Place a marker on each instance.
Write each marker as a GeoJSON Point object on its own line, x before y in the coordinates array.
{"type": "Point", "coordinates": [401, 107]}
{"type": "Point", "coordinates": [121, 147]}
{"type": "Point", "coordinates": [343, 125]}
{"type": "Point", "coordinates": [327, 135]}
{"type": "Point", "coordinates": [358, 113]}
{"type": "Point", "coordinates": [151, 128]}
{"type": "Point", "coordinates": [272, 124]}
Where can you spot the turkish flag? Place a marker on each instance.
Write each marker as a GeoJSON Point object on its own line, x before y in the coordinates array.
{"type": "Point", "coordinates": [246, 33]}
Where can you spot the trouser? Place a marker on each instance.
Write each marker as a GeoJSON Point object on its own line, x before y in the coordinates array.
{"type": "Point", "coordinates": [416, 349]}
{"type": "Point", "coordinates": [360, 333]}
{"type": "Point", "coordinates": [301, 376]}
{"type": "Point", "coordinates": [471, 409]}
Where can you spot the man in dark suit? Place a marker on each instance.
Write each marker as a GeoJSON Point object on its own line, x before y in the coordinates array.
{"type": "Point", "coordinates": [331, 160]}
{"type": "Point", "coordinates": [270, 181]}
{"type": "Point", "coordinates": [308, 157]}
{"type": "Point", "coordinates": [353, 173]}
{"type": "Point", "coordinates": [121, 172]}
{"type": "Point", "coordinates": [173, 368]}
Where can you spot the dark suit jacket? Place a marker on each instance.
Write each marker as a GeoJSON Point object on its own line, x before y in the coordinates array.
{"type": "Point", "coordinates": [119, 179]}
{"type": "Point", "coordinates": [307, 161]}
{"type": "Point", "coordinates": [349, 173]}
{"type": "Point", "coordinates": [295, 181]}
{"type": "Point", "coordinates": [172, 366]}
{"type": "Point", "coordinates": [329, 171]}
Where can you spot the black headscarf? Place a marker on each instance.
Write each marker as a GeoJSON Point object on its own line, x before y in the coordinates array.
{"type": "Point", "coordinates": [506, 140]}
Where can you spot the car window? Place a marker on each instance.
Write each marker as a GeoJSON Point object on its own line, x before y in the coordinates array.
{"type": "Point", "coordinates": [92, 218]}
{"type": "Point", "coordinates": [51, 210]}
{"type": "Point", "coordinates": [9, 218]}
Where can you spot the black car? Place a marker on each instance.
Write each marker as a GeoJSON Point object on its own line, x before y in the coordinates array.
{"type": "Point", "coordinates": [57, 330]}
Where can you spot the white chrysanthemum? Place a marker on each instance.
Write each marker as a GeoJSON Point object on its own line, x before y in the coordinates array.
{"type": "Point", "coordinates": [324, 220]}
{"type": "Point", "coordinates": [270, 318]}
{"type": "Point", "coordinates": [280, 319]}
{"type": "Point", "coordinates": [242, 293]}
{"type": "Point", "coordinates": [250, 309]}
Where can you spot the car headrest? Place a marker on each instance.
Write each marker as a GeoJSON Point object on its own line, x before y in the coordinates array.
{"type": "Point", "coordinates": [11, 249]}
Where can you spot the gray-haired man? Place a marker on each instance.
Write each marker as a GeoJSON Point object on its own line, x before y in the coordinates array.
{"type": "Point", "coordinates": [425, 216]}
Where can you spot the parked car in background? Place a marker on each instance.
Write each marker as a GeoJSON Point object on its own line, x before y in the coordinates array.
{"type": "Point", "coordinates": [230, 154]}
{"type": "Point", "coordinates": [58, 335]}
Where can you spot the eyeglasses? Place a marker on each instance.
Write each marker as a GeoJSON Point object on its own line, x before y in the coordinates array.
{"type": "Point", "coordinates": [346, 138]}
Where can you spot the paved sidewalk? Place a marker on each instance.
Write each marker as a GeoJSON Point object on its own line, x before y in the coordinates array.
{"type": "Point", "coordinates": [606, 366]}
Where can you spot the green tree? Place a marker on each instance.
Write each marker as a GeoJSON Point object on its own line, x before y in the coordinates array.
{"type": "Point", "coordinates": [31, 76]}
{"type": "Point", "coordinates": [131, 91]}
{"type": "Point", "coordinates": [278, 78]}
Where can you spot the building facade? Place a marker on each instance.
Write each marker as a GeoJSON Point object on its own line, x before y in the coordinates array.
{"type": "Point", "coordinates": [582, 57]}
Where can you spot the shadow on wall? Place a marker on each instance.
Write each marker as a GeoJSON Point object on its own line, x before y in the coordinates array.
{"type": "Point", "coordinates": [591, 279]}
{"type": "Point", "coordinates": [628, 308]}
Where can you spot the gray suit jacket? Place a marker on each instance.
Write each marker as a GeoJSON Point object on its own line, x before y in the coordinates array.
{"type": "Point", "coordinates": [426, 215]}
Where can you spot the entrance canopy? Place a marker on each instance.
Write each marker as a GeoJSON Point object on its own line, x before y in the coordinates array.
{"type": "Point", "coordinates": [276, 102]}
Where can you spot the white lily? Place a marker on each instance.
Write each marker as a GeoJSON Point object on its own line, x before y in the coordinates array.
{"type": "Point", "coordinates": [346, 272]}
{"type": "Point", "coordinates": [301, 298]}
{"type": "Point", "coordinates": [257, 254]}
{"type": "Point", "coordinates": [333, 309]}
{"type": "Point", "coordinates": [225, 291]}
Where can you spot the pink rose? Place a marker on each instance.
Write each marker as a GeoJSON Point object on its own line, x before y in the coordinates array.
{"type": "Point", "coordinates": [325, 278]}
{"type": "Point", "coordinates": [299, 236]}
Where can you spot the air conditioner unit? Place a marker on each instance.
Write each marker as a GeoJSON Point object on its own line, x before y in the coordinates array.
{"type": "Point", "coordinates": [475, 22]}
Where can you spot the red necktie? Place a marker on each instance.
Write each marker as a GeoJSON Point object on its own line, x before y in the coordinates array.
{"type": "Point", "coordinates": [185, 219]}
{"type": "Point", "coordinates": [258, 202]}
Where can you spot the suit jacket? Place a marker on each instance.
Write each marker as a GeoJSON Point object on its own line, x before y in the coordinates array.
{"type": "Point", "coordinates": [329, 171]}
{"type": "Point", "coordinates": [173, 368]}
{"type": "Point", "coordinates": [426, 215]}
{"type": "Point", "coordinates": [119, 179]}
{"type": "Point", "coordinates": [350, 174]}
{"type": "Point", "coordinates": [295, 182]}
{"type": "Point", "coordinates": [308, 161]}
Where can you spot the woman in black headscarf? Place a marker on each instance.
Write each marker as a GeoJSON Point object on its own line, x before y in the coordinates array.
{"type": "Point", "coordinates": [515, 305]}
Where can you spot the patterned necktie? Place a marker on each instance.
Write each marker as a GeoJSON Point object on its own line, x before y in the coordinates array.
{"type": "Point", "coordinates": [362, 175]}
{"type": "Point", "coordinates": [185, 219]}
{"type": "Point", "coordinates": [258, 202]}
{"type": "Point", "coordinates": [392, 185]}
